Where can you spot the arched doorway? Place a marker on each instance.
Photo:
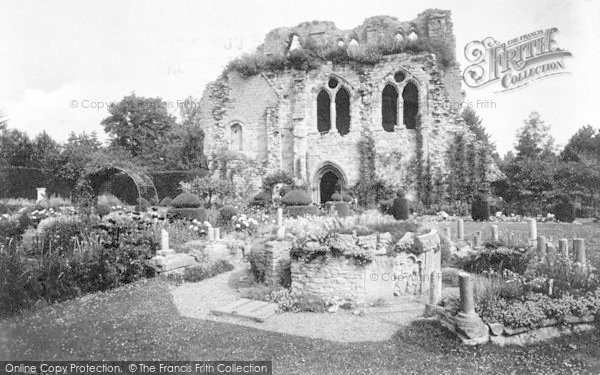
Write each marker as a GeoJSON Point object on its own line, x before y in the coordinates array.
{"type": "Point", "coordinates": [327, 180]}
{"type": "Point", "coordinates": [330, 183]}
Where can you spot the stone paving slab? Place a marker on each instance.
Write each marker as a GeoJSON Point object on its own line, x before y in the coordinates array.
{"type": "Point", "coordinates": [259, 311]}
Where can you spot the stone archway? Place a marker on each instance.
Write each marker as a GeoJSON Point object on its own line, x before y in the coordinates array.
{"type": "Point", "coordinates": [328, 180]}
{"type": "Point", "coordinates": [141, 185]}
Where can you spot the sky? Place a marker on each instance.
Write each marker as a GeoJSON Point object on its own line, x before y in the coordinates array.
{"type": "Point", "coordinates": [63, 62]}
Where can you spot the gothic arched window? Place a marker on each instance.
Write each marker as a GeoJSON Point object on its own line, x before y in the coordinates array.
{"type": "Point", "coordinates": [389, 107]}
{"type": "Point", "coordinates": [342, 111]}
{"type": "Point", "coordinates": [236, 137]}
{"type": "Point", "coordinates": [323, 112]}
{"type": "Point", "coordinates": [410, 97]}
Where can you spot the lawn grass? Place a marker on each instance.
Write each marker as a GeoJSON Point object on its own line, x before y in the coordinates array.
{"type": "Point", "coordinates": [140, 321]}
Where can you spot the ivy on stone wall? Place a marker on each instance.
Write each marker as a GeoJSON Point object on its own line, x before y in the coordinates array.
{"type": "Point", "coordinates": [367, 154]}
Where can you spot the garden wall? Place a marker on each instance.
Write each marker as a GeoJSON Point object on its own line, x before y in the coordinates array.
{"type": "Point", "coordinates": [388, 276]}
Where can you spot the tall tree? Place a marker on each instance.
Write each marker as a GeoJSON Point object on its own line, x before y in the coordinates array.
{"type": "Point", "coordinates": [78, 152]}
{"type": "Point", "coordinates": [584, 144]}
{"type": "Point", "coordinates": [3, 121]}
{"type": "Point", "coordinates": [16, 148]}
{"type": "Point", "coordinates": [474, 122]}
{"type": "Point", "coordinates": [534, 139]}
{"type": "Point", "coordinates": [46, 152]}
{"type": "Point", "coordinates": [139, 125]}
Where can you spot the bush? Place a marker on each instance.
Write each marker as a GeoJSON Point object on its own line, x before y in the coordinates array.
{"type": "Point", "coordinates": [337, 197]}
{"type": "Point", "coordinates": [296, 211]}
{"type": "Point", "coordinates": [480, 207]}
{"type": "Point", "coordinates": [498, 258]}
{"type": "Point", "coordinates": [109, 200]}
{"type": "Point", "coordinates": [226, 214]}
{"type": "Point", "coordinates": [199, 214]}
{"type": "Point", "coordinates": [142, 205]}
{"type": "Point", "coordinates": [342, 209]}
{"type": "Point", "coordinates": [11, 228]}
{"type": "Point", "coordinates": [564, 210]}
{"type": "Point", "coordinates": [399, 208]}
{"type": "Point", "coordinates": [166, 201]}
{"type": "Point", "coordinates": [296, 198]}
{"type": "Point", "coordinates": [261, 199]}
{"type": "Point", "coordinates": [205, 271]}
{"type": "Point", "coordinates": [58, 234]}
{"type": "Point", "coordinates": [186, 200]}
{"type": "Point", "coordinates": [4, 209]}
{"type": "Point", "coordinates": [102, 209]}
{"type": "Point", "coordinates": [258, 262]}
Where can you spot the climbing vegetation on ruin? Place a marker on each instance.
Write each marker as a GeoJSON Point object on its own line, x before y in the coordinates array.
{"type": "Point", "coordinates": [313, 55]}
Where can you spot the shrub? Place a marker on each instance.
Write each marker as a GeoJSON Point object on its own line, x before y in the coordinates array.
{"type": "Point", "coordinates": [296, 198]}
{"type": "Point", "coordinates": [58, 234]}
{"type": "Point", "coordinates": [226, 214]}
{"type": "Point", "coordinates": [102, 209]}
{"type": "Point", "coordinates": [480, 207]}
{"type": "Point", "coordinates": [199, 214]}
{"type": "Point", "coordinates": [142, 204]}
{"type": "Point", "coordinates": [277, 177]}
{"type": "Point", "coordinates": [337, 197]}
{"type": "Point", "coordinates": [186, 200]}
{"type": "Point", "coordinates": [342, 209]}
{"type": "Point", "coordinates": [498, 258]}
{"type": "Point", "coordinates": [11, 228]}
{"type": "Point", "coordinates": [399, 208]}
{"type": "Point", "coordinates": [4, 209]}
{"type": "Point", "coordinates": [564, 210]}
{"type": "Point", "coordinates": [166, 201]}
{"type": "Point", "coordinates": [109, 200]}
{"type": "Point", "coordinates": [205, 271]}
{"type": "Point", "coordinates": [261, 199]}
{"type": "Point", "coordinates": [258, 262]}
{"type": "Point", "coordinates": [296, 211]}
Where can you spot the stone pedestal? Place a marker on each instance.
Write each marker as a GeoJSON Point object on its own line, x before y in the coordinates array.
{"type": "Point", "coordinates": [579, 250]}
{"type": "Point", "coordinates": [448, 233]}
{"type": "Point", "coordinates": [460, 230]}
{"type": "Point", "coordinates": [210, 233]}
{"type": "Point", "coordinates": [563, 247]}
{"type": "Point", "coordinates": [41, 194]}
{"type": "Point", "coordinates": [532, 229]}
{"type": "Point", "coordinates": [279, 217]}
{"type": "Point", "coordinates": [467, 321]}
{"type": "Point", "coordinates": [476, 241]}
{"type": "Point", "coordinates": [541, 246]}
{"type": "Point", "coordinates": [217, 233]}
{"type": "Point", "coordinates": [435, 288]}
{"type": "Point", "coordinates": [495, 234]}
{"type": "Point", "coordinates": [164, 244]}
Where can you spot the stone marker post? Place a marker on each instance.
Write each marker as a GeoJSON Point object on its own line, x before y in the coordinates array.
{"type": "Point", "coordinates": [217, 233]}
{"type": "Point", "coordinates": [210, 233]}
{"type": "Point", "coordinates": [41, 194]}
{"type": "Point", "coordinates": [164, 240]}
{"type": "Point", "coordinates": [579, 250]}
{"type": "Point", "coordinates": [460, 230]}
{"type": "Point", "coordinates": [435, 288]}
{"type": "Point", "coordinates": [467, 321]}
{"type": "Point", "coordinates": [541, 246]}
{"type": "Point", "coordinates": [532, 229]}
{"type": "Point", "coordinates": [550, 253]}
{"type": "Point", "coordinates": [476, 240]}
{"type": "Point", "coordinates": [279, 217]}
{"type": "Point", "coordinates": [448, 232]}
{"type": "Point", "coordinates": [495, 234]}
{"type": "Point", "coordinates": [563, 247]}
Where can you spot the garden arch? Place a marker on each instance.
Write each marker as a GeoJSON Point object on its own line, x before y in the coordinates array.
{"type": "Point", "coordinates": [142, 183]}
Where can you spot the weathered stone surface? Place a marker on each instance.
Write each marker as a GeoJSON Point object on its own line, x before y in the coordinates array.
{"type": "Point", "coordinates": [496, 328]}
{"type": "Point", "coordinates": [172, 262]}
{"type": "Point", "coordinates": [368, 242]}
{"type": "Point", "coordinates": [427, 242]}
{"type": "Point", "coordinates": [406, 242]}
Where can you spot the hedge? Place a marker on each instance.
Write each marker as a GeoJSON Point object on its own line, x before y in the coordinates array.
{"type": "Point", "coordinates": [295, 211]}
{"type": "Point", "coordinates": [186, 200]}
{"type": "Point", "coordinates": [199, 214]}
{"type": "Point", "coordinates": [167, 182]}
{"type": "Point", "coordinates": [21, 182]}
{"type": "Point", "coordinates": [296, 198]}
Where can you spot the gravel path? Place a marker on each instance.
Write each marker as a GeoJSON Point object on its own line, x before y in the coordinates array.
{"type": "Point", "coordinates": [195, 300]}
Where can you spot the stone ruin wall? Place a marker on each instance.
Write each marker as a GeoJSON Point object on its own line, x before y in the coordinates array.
{"type": "Point", "coordinates": [278, 112]}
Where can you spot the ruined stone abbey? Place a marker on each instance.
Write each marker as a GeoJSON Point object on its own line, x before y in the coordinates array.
{"type": "Point", "coordinates": [309, 121]}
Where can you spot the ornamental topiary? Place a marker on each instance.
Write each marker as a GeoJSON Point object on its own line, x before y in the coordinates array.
{"type": "Point", "coordinates": [109, 200]}
{"type": "Point", "coordinates": [142, 205]}
{"type": "Point", "coordinates": [480, 207]}
{"type": "Point", "coordinates": [564, 210]}
{"type": "Point", "coordinates": [186, 200]}
{"type": "Point", "coordinates": [337, 197]}
{"type": "Point", "coordinates": [399, 207]}
{"type": "Point", "coordinates": [261, 199]}
{"type": "Point", "coordinates": [342, 209]}
{"type": "Point", "coordinates": [166, 201]}
{"type": "Point", "coordinates": [296, 198]}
